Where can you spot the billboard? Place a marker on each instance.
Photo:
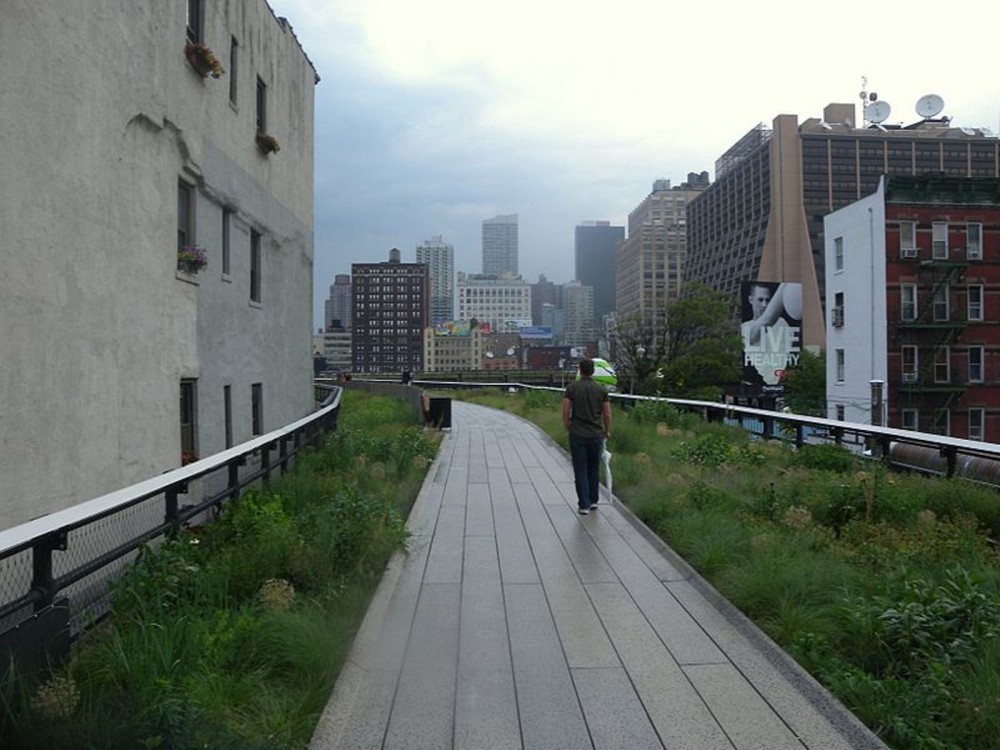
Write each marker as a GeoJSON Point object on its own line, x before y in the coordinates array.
{"type": "Point", "coordinates": [535, 332]}
{"type": "Point", "coordinates": [772, 333]}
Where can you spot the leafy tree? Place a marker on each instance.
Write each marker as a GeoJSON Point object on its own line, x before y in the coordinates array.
{"type": "Point", "coordinates": [805, 385]}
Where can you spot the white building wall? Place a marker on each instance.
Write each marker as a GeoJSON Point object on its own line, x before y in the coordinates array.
{"type": "Point", "coordinates": [862, 281]}
{"type": "Point", "coordinates": [494, 300]}
{"type": "Point", "coordinates": [110, 118]}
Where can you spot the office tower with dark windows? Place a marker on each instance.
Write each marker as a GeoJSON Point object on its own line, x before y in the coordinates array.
{"type": "Point", "coordinates": [439, 257]}
{"type": "Point", "coordinates": [762, 219]}
{"type": "Point", "coordinates": [595, 245]}
{"type": "Point", "coordinates": [500, 246]}
{"type": "Point", "coordinates": [337, 309]}
{"type": "Point", "coordinates": [390, 312]}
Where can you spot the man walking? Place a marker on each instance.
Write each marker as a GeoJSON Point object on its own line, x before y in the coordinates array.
{"type": "Point", "coordinates": [586, 415]}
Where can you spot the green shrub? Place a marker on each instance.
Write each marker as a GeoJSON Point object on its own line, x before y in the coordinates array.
{"type": "Point", "coordinates": [825, 457]}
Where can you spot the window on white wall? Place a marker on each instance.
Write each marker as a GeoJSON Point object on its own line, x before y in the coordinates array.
{"type": "Point", "coordinates": [838, 253]}
{"type": "Point", "coordinates": [840, 365]}
{"type": "Point", "coordinates": [977, 423]}
{"type": "Point", "coordinates": [840, 412]}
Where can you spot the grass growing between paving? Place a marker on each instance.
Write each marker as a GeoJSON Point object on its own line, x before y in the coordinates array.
{"type": "Point", "coordinates": [884, 586]}
{"type": "Point", "coordinates": [232, 635]}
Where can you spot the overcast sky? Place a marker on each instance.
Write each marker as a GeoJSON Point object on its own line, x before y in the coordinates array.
{"type": "Point", "coordinates": [433, 115]}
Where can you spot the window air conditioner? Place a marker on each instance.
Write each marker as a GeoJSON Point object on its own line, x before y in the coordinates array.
{"type": "Point", "coordinates": [910, 377]}
{"type": "Point", "coordinates": [909, 252]}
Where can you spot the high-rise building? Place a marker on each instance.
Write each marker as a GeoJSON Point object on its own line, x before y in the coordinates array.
{"type": "Point", "coordinates": [337, 309]}
{"type": "Point", "coordinates": [500, 246]}
{"type": "Point", "coordinates": [596, 244]}
{"type": "Point", "coordinates": [439, 257]}
{"type": "Point", "coordinates": [390, 312]}
{"type": "Point", "coordinates": [762, 219]}
{"type": "Point", "coordinates": [544, 292]}
{"type": "Point", "coordinates": [909, 272]}
{"type": "Point", "coordinates": [504, 303]}
{"type": "Point", "coordinates": [649, 264]}
{"type": "Point", "coordinates": [579, 301]}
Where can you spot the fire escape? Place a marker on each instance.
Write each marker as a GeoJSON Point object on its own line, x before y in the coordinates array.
{"type": "Point", "coordinates": [933, 387]}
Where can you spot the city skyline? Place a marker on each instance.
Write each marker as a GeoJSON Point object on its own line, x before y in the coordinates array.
{"type": "Point", "coordinates": [426, 123]}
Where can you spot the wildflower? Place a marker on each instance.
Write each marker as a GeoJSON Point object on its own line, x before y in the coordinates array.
{"type": "Point", "coordinates": [57, 698]}
{"type": "Point", "coordinates": [276, 594]}
{"type": "Point", "coordinates": [797, 517]}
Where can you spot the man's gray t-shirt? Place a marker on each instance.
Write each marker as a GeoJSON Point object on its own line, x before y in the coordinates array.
{"type": "Point", "coordinates": [587, 398]}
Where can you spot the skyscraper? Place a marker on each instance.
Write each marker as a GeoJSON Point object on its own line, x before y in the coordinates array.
{"type": "Point", "coordinates": [338, 306]}
{"type": "Point", "coordinates": [439, 257]}
{"type": "Point", "coordinates": [596, 242]}
{"type": "Point", "coordinates": [500, 245]}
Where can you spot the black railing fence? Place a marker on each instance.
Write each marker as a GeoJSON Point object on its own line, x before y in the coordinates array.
{"type": "Point", "coordinates": [56, 571]}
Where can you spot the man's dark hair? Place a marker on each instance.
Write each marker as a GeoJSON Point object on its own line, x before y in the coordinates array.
{"type": "Point", "coordinates": [586, 367]}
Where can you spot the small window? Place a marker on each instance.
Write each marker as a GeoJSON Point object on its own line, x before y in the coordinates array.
{"type": "Point", "coordinates": [975, 301]}
{"type": "Point", "coordinates": [974, 241]}
{"type": "Point", "coordinates": [942, 365]}
{"type": "Point", "coordinates": [838, 310]}
{"type": "Point", "coordinates": [257, 408]}
{"type": "Point", "coordinates": [977, 423]}
{"type": "Point", "coordinates": [908, 303]}
{"type": "Point", "coordinates": [910, 364]}
{"type": "Point", "coordinates": [234, 49]}
{"type": "Point", "coordinates": [976, 355]}
{"type": "Point", "coordinates": [227, 218]}
{"type": "Point", "coordinates": [908, 239]}
{"type": "Point", "coordinates": [189, 421]}
{"type": "Point", "coordinates": [942, 422]}
{"type": "Point", "coordinates": [941, 311]}
{"type": "Point", "coordinates": [838, 254]}
{"type": "Point", "coordinates": [840, 412]}
{"type": "Point", "coordinates": [911, 419]}
{"type": "Point", "coordinates": [261, 106]}
{"type": "Point", "coordinates": [227, 405]}
{"type": "Point", "coordinates": [841, 365]}
{"type": "Point", "coordinates": [939, 240]}
{"type": "Point", "coordinates": [195, 17]}
{"type": "Point", "coordinates": [255, 266]}
{"type": "Point", "coordinates": [185, 215]}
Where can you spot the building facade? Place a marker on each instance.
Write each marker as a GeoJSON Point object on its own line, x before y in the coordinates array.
{"type": "Point", "coordinates": [649, 264]}
{"type": "Point", "coordinates": [500, 246]}
{"type": "Point", "coordinates": [502, 303]}
{"type": "Point", "coordinates": [762, 219]}
{"type": "Point", "coordinates": [162, 247]}
{"type": "Point", "coordinates": [453, 347]}
{"type": "Point", "coordinates": [544, 292]}
{"type": "Point", "coordinates": [595, 245]}
{"type": "Point", "coordinates": [439, 257]}
{"type": "Point", "coordinates": [580, 327]}
{"type": "Point", "coordinates": [391, 309]}
{"type": "Point", "coordinates": [910, 275]}
{"type": "Point", "coordinates": [337, 308]}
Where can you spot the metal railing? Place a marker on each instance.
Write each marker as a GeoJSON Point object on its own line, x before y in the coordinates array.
{"type": "Point", "coordinates": [55, 571]}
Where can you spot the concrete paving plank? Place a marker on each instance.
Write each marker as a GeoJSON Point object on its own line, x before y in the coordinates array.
{"type": "Point", "coordinates": [614, 714]}
{"type": "Point", "coordinates": [486, 715]}
{"type": "Point", "coordinates": [517, 564]}
{"type": "Point", "coordinates": [444, 562]}
{"type": "Point", "coordinates": [587, 559]}
{"type": "Point", "coordinates": [479, 511]}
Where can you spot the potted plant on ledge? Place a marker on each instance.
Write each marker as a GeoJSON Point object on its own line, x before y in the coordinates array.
{"type": "Point", "coordinates": [267, 144]}
{"type": "Point", "coordinates": [203, 61]}
{"type": "Point", "coordinates": [191, 259]}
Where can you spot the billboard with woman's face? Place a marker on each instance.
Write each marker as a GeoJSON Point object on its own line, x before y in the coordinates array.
{"type": "Point", "coordinates": [772, 333]}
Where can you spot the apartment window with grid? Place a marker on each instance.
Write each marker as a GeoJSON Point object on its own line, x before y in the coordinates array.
{"type": "Point", "coordinates": [908, 302]}
{"type": "Point", "coordinates": [838, 253]}
{"type": "Point", "coordinates": [911, 419]}
{"type": "Point", "coordinates": [942, 365]}
{"type": "Point", "coordinates": [255, 266]}
{"type": "Point", "coordinates": [908, 239]}
{"type": "Point", "coordinates": [195, 18]}
{"type": "Point", "coordinates": [227, 220]}
{"type": "Point", "coordinates": [977, 354]}
{"type": "Point", "coordinates": [942, 422]}
{"type": "Point", "coordinates": [257, 408]}
{"type": "Point", "coordinates": [838, 310]}
{"type": "Point", "coordinates": [185, 215]}
{"type": "Point", "coordinates": [941, 311]}
{"type": "Point", "coordinates": [840, 365]}
{"type": "Point", "coordinates": [234, 50]}
{"type": "Point", "coordinates": [974, 241]}
{"type": "Point", "coordinates": [975, 302]}
{"type": "Point", "coordinates": [910, 363]}
{"type": "Point", "coordinates": [189, 420]}
{"type": "Point", "coordinates": [261, 106]}
{"type": "Point", "coordinates": [977, 423]}
{"type": "Point", "coordinates": [939, 240]}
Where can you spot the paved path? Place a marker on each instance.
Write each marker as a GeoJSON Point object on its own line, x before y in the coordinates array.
{"type": "Point", "coordinates": [514, 622]}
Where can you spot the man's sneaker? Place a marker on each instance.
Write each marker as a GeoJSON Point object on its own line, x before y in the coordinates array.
{"type": "Point", "coordinates": [583, 511]}
{"type": "Point", "coordinates": [593, 506]}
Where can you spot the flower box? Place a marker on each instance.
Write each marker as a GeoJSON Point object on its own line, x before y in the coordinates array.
{"type": "Point", "coordinates": [203, 60]}
{"type": "Point", "coordinates": [191, 259]}
{"type": "Point", "coordinates": [267, 144]}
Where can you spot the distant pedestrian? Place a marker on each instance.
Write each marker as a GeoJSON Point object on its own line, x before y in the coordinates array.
{"type": "Point", "coordinates": [586, 415]}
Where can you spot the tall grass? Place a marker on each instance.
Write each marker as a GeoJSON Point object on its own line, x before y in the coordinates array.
{"type": "Point", "coordinates": [232, 635]}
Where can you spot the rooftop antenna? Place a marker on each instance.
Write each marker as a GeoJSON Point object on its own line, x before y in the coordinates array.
{"type": "Point", "coordinates": [873, 110]}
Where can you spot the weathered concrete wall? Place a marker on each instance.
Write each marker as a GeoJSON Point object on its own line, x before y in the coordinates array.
{"type": "Point", "coordinates": [101, 116]}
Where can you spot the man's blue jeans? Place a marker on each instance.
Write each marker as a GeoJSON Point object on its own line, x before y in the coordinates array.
{"type": "Point", "coordinates": [586, 455]}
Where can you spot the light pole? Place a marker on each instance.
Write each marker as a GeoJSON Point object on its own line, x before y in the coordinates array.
{"type": "Point", "coordinates": [640, 352]}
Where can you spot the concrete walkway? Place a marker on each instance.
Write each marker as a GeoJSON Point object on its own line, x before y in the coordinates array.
{"type": "Point", "coordinates": [514, 622]}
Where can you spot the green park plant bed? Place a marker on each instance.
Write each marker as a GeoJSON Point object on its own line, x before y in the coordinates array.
{"type": "Point", "coordinates": [884, 586]}
{"type": "Point", "coordinates": [232, 635]}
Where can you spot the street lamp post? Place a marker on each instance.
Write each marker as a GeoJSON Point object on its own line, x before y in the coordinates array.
{"type": "Point", "coordinates": [640, 353]}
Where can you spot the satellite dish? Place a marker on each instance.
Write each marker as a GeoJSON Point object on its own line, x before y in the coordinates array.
{"type": "Point", "coordinates": [929, 105]}
{"type": "Point", "coordinates": [877, 112]}
{"type": "Point", "coordinates": [489, 355]}
{"type": "Point", "coordinates": [968, 131]}
{"type": "Point", "coordinates": [510, 352]}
